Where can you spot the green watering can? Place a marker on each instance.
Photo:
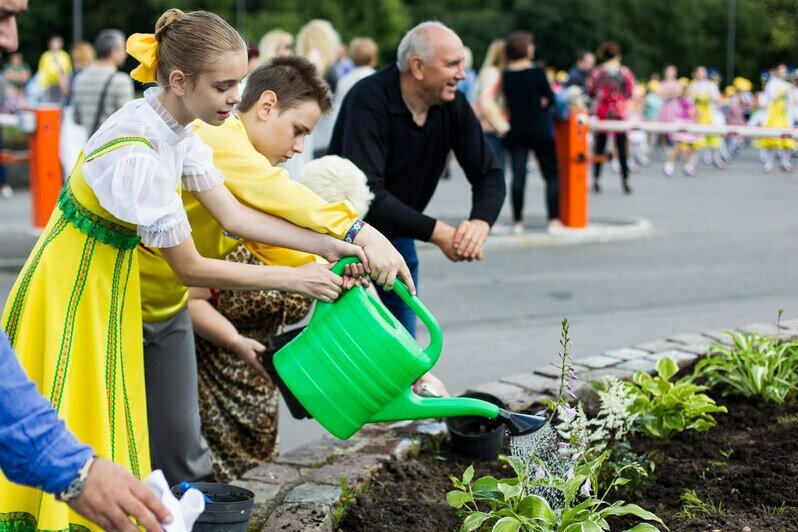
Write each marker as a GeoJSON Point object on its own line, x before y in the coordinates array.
{"type": "Point", "coordinates": [355, 363]}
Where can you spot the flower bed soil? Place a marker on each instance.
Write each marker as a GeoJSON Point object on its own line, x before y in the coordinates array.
{"type": "Point", "coordinates": [759, 476]}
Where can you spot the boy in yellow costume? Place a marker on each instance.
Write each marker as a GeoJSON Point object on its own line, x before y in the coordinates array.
{"type": "Point", "coordinates": [284, 114]}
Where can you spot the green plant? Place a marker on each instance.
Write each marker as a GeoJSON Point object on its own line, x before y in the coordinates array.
{"type": "Point", "coordinates": [789, 418]}
{"type": "Point", "coordinates": [510, 505]}
{"type": "Point", "coordinates": [754, 366]}
{"type": "Point", "coordinates": [348, 496]}
{"type": "Point", "coordinates": [567, 375]}
{"type": "Point", "coordinates": [777, 510]}
{"type": "Point", "coordinates": [664, 407]}
{"type": "Point", "coordinates": [693, 507]}
{"type": "Point", "coordinates": [608, 431]}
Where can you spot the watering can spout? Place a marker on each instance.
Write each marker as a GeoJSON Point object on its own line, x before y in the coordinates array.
{"type": "Point", "coordinates": [520, 424]}
{"type": "Point", "coordinates": [408, 405]}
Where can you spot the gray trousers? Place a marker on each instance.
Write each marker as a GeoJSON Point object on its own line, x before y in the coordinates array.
{"type": "Point", "coordinates": [170, 365]}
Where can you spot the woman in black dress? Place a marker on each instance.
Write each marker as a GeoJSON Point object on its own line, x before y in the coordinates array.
{"type": "Point", "coordinates": [527, 96]}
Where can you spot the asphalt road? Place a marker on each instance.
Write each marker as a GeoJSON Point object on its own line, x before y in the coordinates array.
{"type": "Point", "coordinates": [722, 253]}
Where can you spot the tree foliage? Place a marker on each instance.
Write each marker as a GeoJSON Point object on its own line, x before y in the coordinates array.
{"type": "Point", "coordinates": [653, 32]}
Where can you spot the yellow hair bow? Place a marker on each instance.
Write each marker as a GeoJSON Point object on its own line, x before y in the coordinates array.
{"type": "Point", "coordinates": [144, 48]}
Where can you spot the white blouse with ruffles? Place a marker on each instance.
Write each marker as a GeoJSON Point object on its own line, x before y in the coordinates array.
{"type": "Point", "coordinates": [139, 185]}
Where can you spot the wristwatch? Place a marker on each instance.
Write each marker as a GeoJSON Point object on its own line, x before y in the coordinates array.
{"type": "Point", "coordinates": [75, 487]}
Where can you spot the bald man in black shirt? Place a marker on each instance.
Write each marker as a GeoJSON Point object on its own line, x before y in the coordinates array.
{"type": "Point", "coordinates": [398, 126]}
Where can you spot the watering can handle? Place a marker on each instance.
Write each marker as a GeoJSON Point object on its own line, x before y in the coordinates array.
{"type": "Point", "coordinates": [433, 350]}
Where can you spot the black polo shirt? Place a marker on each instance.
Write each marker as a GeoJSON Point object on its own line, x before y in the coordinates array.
{"type": "Point", "coordinates": [404, 161]}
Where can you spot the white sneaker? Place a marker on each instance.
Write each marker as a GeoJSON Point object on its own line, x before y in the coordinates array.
{"type": "Point", "coordinates": [767, 167]}
{"type": "Point", "coordinates": [667, 169]}
{"type": "Point", "coordinates": [785, 166]}
{"type": "Point", "coordinates": [6, 192]}
{"type": "Point", "coordinates": [518, 228]}
{"type": "Point", "coordinates": [690, 170]}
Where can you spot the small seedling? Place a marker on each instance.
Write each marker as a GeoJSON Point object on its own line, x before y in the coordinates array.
{"type": "Point", "coordinates": [727, 453]}
{"type": "Point", "coordinates": [693, 507]}
{"type": "Point", "coordinates": [789, 418]}
{"type": "Point", "coordinates": [348, 496]}
{"type": "Point", "coordinates": [777, 510]}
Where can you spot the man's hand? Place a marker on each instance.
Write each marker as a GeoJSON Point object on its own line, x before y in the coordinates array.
{"type": "Point", "coordinates": [443, 237]}
{"type": "Point", "coordinates": [469, 238]}
{"type": "Point", "coordinates": [112, 495]}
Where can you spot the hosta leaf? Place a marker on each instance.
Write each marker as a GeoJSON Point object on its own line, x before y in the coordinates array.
{"type": "Point", "coordinates": [643, 527]}
{"type": "Point", "coordinates": [510, 491]}
{"type": "Point", "coordinates": [468, 474]}
{"type": "Point", "coordinates": [457, 498]}
{"type": "Point", "coordinates": [584, 526]}
{"type": "Point", "coordinates": [536, 507]}
{"type": "Point", "coordinates": [474, 521]}
{"type": "Point", "coordinates": [667, 368]}
{"type": "Point", "coordinates": [629, 509]}
{"type": "Point", "coordinates": [507, 524]}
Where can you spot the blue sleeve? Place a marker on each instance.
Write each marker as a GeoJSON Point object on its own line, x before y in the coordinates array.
{"type": "Point", "coordinates": [36, 449]}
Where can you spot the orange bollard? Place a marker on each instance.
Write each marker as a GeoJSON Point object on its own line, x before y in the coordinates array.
{"type": "Point", "coordinates": [572, 160]}
{"type": "Point", "coordinates": [45, 166]}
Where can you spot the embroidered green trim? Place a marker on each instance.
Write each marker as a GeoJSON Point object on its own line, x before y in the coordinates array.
{"type": "Point", "coordinates": [90, 224]}
{"type": "Point", "coordinates": [25, 522]}
{"type": "Point", "coordinates": [118, 143]}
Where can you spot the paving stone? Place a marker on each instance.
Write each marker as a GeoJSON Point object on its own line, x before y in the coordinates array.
{"type": "Point", "coordinates": [718, 337]}
{"type": "Point", "coordinates": [356, 468]}
{"type": "Point", "coordinates": [300, 517]}
{"type": "Point", "coordinates": [550, 370]}
{"type": "Point", "coordinates": [598, 361]}
{"type": "Point", "coordinates": [616, 371]}
{"type": "Point", "coordinates": [641, 364]}
{"type": "Point", "coordinates": [532, 382]}
{"type": "Point", "coordinates": [264, 493]}
{"type": "Point", "coordinates": [315, 453]}
{"type": "Point", "coordinates": [681, 358]}
{"type": "Point", "coordinates": [789, 324]}
{"type": "Point", "coordinates": [655, 346]}
{"type": "Point", "coordinates": [696, 349]}
{"type": "Point", "coordinates": [688, 339]}
{"type": "Point", "coordinates": [626, 353]}
{"type": "Point", "coordinates": [397, 447]}
{"type": "Point", "coordinates": [318, 493]}
{"type": "Point", "coordinates": [498, 389]}
{"type": "Point", "coordinates": [763, 329]}
{"type": "Point", "coordinates": [788, 334]}
{"type": "Point", "coordinates": [272, 473]}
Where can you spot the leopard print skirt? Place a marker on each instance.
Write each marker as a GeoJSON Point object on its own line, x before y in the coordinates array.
{"type": "Point", "coordinates": [238, 409]}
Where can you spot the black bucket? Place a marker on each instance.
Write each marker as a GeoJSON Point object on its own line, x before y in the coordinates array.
{"type": "Point", "coordinates": [477, 437]}
{"type": "Point", "coordinates": [229, 511]}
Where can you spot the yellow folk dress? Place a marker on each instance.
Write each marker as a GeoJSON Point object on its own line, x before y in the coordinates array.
{"type": "Point", "coordinates": [73, 317]}
{"type": "Point", "coordinates": [705, 93]}
{"type": "Point", "coordinates": [778, 114]}
{"type": "Point", "coordinates": [74, 313]}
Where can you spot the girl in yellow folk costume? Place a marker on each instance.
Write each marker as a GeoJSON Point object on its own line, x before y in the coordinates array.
{"type": "Point", "coordinates": [74, 313]}
{"type": "Point", "coordinates": [779, 114]}
{"type": "Point", "coordinates": [705, 95]}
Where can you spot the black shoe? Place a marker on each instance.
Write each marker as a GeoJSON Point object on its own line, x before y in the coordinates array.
{"type": "Point", "coordinates": [596, 187]}
{"type": "Point", "coordinates": [626, 188]}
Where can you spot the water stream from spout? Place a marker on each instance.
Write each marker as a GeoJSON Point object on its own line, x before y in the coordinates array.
{"type": "Point", "coordinates": [544, 444]}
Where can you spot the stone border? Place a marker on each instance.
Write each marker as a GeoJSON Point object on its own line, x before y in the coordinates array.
{"type": "Point", "coordinates": [296, 491]}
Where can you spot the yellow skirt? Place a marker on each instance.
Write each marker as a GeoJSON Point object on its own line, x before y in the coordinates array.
{"type": "Point", "coordinates": [777, 117]}
{"type": "Point", "coordinates": [705, 117]}
{"type": "Point", "coordinates": [74, 319]}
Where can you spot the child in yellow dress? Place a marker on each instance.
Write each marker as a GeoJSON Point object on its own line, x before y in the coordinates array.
{"type": "Point", "coordinates": [265, 124]}
{"type": "Point", "coordinates": [74, 313]}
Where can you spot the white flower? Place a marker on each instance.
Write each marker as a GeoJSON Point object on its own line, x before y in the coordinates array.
{"type": "Point", "coordinates": [539, 473]}
{"type": "Point", "coordinates": [586, 489]}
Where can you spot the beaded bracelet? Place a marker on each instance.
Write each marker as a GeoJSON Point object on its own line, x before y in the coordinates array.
{"type": "Point", "coordinates": [353, 231]}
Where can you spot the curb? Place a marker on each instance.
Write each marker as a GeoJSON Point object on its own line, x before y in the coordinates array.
{"type": "Point", "coordinates": [304, 483]}
{"type": "Point", "coordinates": [600, 230]}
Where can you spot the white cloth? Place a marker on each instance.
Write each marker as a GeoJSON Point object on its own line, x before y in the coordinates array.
{"type": "Point", "coordinates": [184, 511]}
{"type": "Point", "coordinates": [71, 141]}
{"type": "Point", "coordinates": [342, 88]}
{"type": "Point", "coordinates": [139, 185]}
